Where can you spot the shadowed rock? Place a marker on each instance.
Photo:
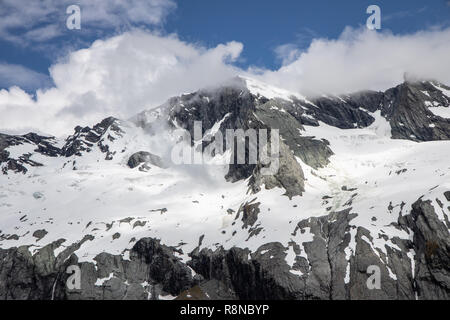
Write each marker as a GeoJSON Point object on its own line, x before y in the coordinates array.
{"type": "Point", "coordinates": [145, 157]}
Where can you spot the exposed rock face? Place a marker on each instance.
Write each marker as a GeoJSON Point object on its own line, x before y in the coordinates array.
{"type": "Point", "coordinates": [252, 276]}
{"type": "Point", "coordinates": [39, 144]}
{"type": "Point", "coordinates": [432, 246]}
{"type": "Point", "coordinates": [332, 264]}
{"type": "Point", "coordinates": [235, 107]}
{"type": "Point", "coordinates": [313, 152]}
{"type": "Point", "coordinates": [153, 270]}
{"type": "Point", "coordinates": [266, 275]}
{"type": "Point", "coordinates": [288, 176]}
{"type": "Point", "coordinates": [345, 112]}
{"type": "Point", "coordinates": [407, 109]}
{"type": "Point", "coordinates": [39, 234]}
{"type": "Point", "coordinates": [145, 157]}
{"type": "Point", "coordinates": [85, 138]}
{"type": "Point", "coordinates": [164, 266]}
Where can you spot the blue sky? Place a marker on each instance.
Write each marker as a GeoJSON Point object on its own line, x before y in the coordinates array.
{"type": "Point", "coordinates": [261, 25]}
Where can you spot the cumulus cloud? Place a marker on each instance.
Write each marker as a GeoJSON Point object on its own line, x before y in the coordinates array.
{"type": "Point", "coordinates": [29, 21]}
{"type": "Point", "coordinates": [138, 70]}
{"type": "Point", "coordinates": [287, 53]}
{"type": "Point", "coordinates": [120, 76]}
{"type": "Point", "coordinates": [362, 59]}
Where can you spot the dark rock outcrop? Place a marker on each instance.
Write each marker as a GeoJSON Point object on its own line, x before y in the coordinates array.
{"type": "Point", "coordinates": [288, 175]}
{"type": "Point", "coordinates": [84, 139]}
{"type": "Point", "coordinates": [432, 247]}
{"type": "Point", "coordinates": [313, 152]}
{"type": "Point", "coordinates": [331, 265]}
{"type": "Point", "coordinates": [321, 269]}
{"type": "Point", "coordinates": [405, 106]}
{"type": "Point", "coordinates": [153, 270]}
{"type": "Point", "coordinates": [40, 144]}
{"type": "Point", "coordinates": [145, 157]}
{"type": "Point", "coordinates": [345, 112]}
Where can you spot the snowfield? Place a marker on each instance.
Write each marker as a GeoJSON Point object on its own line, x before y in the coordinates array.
{"type": "Point", "coordinates": [350, 215]}
{"type": "Point", "coordinates": [378, 177]}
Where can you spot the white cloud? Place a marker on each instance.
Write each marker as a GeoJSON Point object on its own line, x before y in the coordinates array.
{"type": "Point", "coordinates": [126, 74]}
{"type": "Point", "coordinates": [30, 21]}
{"type": "Point", "coordinates": [109, 13]}
{"type": "Point", "coordinates": [287, 53]}
{"type": "Point", "coordinates": [362, 59]}
{"type": "Point", "coordinates": [42, 34]}
{"type": "Point", "coordinates": [119, 76]}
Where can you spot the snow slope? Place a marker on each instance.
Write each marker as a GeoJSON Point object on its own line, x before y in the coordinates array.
{"type": "Point", "coordinates": [103, 198]}
{"type": "Point", "coordinates": [376, 177]}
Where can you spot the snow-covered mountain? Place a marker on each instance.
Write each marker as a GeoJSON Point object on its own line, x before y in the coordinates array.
{"type": "Point", "coordinates": [363, 180]}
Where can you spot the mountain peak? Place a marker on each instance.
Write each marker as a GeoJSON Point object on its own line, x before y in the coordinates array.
{"type": "Point", "coordinates": [344, 178]}
{"type": "Point", "coordinates": [258, 87]}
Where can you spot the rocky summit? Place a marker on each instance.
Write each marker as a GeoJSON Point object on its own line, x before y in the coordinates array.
{"type": "Point", "coordinates": [358, 207]}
